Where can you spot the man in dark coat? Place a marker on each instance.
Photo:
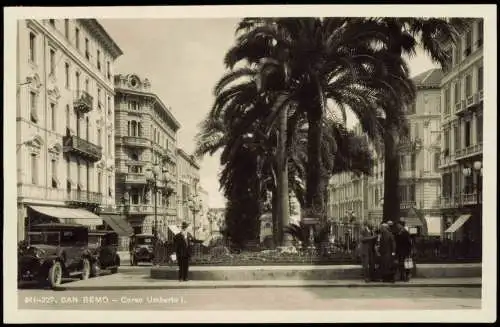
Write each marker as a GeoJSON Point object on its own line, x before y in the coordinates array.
{"type": "Point", "coordinates": [183, 244]}
{"type": "Point", "coordinates": [403, 250]}
{"type": "Point", "coordinates": [387, 253]}
{"type": "Point", "coordinates": [367, 251]}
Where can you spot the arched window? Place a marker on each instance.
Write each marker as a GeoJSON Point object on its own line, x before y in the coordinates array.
{"type": "Point", "coordinates": [128, 129]}
{"type": "Point", "coordinates": [139, 129]}
{"type": "Point", "coordinates": [87, 126]}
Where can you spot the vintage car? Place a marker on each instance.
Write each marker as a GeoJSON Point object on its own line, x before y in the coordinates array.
{"type": "Point", "coordinates": [141, 248]}
{"type": "Point", "coordinates": [104, 246]}
{"type": "Point", "coordinates": [55, 251]}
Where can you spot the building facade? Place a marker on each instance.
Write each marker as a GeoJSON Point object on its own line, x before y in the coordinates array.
{"type": "Point", "coordinates": [462, 136]}
{"type": "Point", "coordinates": [188, 174]}
{"type": "Point", "coordinates": [146, 160]}
{"type": "Point", "coordinates": [65, 121]}
{"type": "Point", "coordinates": [419, 161]}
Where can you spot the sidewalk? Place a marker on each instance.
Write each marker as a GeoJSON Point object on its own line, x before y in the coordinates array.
{"type": "Point", "coordinates": [135, 282]}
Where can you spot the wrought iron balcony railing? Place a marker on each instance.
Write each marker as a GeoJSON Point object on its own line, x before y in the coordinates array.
{"type": "Point", "coordinates": [83, 102]}
{"type": "Point", "coordinates": [135, 178]}
{"type": "Point", "coordinates": [84, 197]}
{"type": "Point", "coordinates": [137, 141]}
{"type": "Point", "coordinates": [81, 147]}
{"type": "Point", "coordinates": [470, 151]}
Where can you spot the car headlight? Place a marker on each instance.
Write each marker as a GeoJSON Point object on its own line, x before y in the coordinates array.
{"type": "Point", "coordinates": [39, 253]}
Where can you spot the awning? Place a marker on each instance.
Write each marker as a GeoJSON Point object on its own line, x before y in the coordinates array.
{"type": "Point", "coordinates": [70, 215]}
{"type": "Point", "coordinates": [176, 230]}
{"type": "Point", "coordinates": [458, 223]}
{"type": "Point", "coordinates": [119, 225]}
{"type": "Point", "coordinates": [433, 225]}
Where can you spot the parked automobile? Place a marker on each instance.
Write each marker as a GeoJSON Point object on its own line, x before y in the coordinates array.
{"type": "Point", "coordinates": [55, 251]}
{"type": "Point", "coordinates": [104, 246]}
{"type": "Point", "coordinates": [141, 248]}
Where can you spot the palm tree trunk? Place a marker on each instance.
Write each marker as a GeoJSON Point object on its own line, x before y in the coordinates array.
{"type": "Point", "coordinates": [283, 208]}
{"type": "Point", "coordinates": [391, 207]}
{"type": "Point", "coordinates": [275, 215]}
{"type": "Point", "coordinates": [314, 189]}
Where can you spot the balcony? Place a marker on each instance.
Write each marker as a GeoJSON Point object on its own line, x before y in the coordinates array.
{"type": "Point", "coordinates": [84, 197]}
{"type": "Point", "coordinates": [135, 178]}
{"type": "Point", "coordinates": [136, 141]}
{"type": "Point", "coordinates": [458, 107]}
{"type": "Point", "coordinates": [471, 198]}
{"type": "Point", "coordinates": [407, 174]}
{"type": "Point", "coordinates": [470, 151]}
{"type": "Point", "coordinates": [446, 158]}
{"type": "Point", "coordinates": [448, 202]}
{"type": "Point", "coordinates": [81, 147]}
{"type": "Point", "coordinates": [142, 209]}
{"type": "Point", "coordinates": [83, 102]}
{"type": "Point", "coordinates": [407, 204]}
{"type": "Point", "coordinates": [407, 144]}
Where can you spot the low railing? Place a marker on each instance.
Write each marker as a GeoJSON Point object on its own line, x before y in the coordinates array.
{"type": "Point", "coordinates": [135, 178]}
{"type": "Point", "coordinates": [471, 198]}
{"type": "Point", "coordinates": [75, 144]}
{"type": "Point", "coordinates": [142, 209]}
{"type": "Point", "coordinates": [449, 202]}
{"type": "Point", "coordinates": [407, 204]}
{"type": "Point", "coordinates": [57, 194]}
{"type": "Point", "coordinates": [471, 150]}
{"type": "Point", "coordinates": [136, 141]}
{"type": "Point", "coordinates": [84, 196]}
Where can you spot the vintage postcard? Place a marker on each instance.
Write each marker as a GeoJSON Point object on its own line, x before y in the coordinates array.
{"type": "Point", "coordinates": [250, 164]}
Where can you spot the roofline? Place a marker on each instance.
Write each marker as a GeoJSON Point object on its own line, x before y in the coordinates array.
{"type": "Point", "coordinates": [115, 49]}
{"type": "Point", "coordinates": [188, 157]}
{"type": "Point", "coordinates": [176, 123]}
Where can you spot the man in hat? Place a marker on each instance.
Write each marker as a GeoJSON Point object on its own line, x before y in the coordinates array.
{"type": "Point", "coordinates": [183, 243]}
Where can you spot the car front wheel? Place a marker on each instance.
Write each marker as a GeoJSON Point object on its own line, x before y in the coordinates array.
{"type": "Point", "coordinates": [55, 275]}
{"type": "Point", "coordinates": [85, 269]}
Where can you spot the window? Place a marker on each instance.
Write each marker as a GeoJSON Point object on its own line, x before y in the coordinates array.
{"type": "Point", "coordinates": [480, 33]}
{"type": "Point", "coordinates": [447, 185]}
{"type": "Point", "coordinates": [456, 132]}
{"type": "Point", "coordinates": [109, 106]}
{"type": "Point", "coordinates": [78, 172]}
{"type": "Point", "coordinates": [413, 161]}
{"type": "Point", "coordinates": [33, 107]}
{"type": "Point", "coordinates": [416, 133]}
{"type": "Point", "coordinates": [457, 92]}
{"type": "Point", "coordinates": [34, 169]}
{"type": "Point", "coordinates": [139, 129]}
{"type": "Point", "coordinates": [53, 116]}
{"type": "Point", "coordinates": [53, 169]}
{"type": "Point", "coordinates": [468, 133]}
{"type": "Point", "coordinates": [457, 53]}
{"type": "Point", "coordinates": [99, 60]}
{"type": "Point", "coordinates": [32, 57]}
{"type": "Point", "coordinates": [447, 101]}
{"type": "Point", "coordinates": [87, 128]}
{"type": "Point", "coordinates": [108, 70]}
{"type": "Point", "coordinates": [68, 173]}
{"type": "Point", "coordinates": [66, 28]}
{"type": "Point", "coordinates": [411, 191]}
{"type": "Point", "coordinates": [110, 187]}
{"type": "Point", "coordinates": [87, 85]}
{"type": "Point", "coordinates": [480, 79]}
{"type": "Point", "coordinates": [87, 169]}
{"type": "Point", "coordinates": [99, 97]}
{"type": "Point", "coordinates": [52, 62]}
{"type": "Point", "coordinates": [436, 161]}
{"type": "Point", "coordinates": [77, 38]}
{"type": "Point", "coordinates": [479, 128]}
{"type": "Point", "coordinates": [468, 86]}
{"type": "Point", "coordinates": [99, 137]}
{"type": "Point", "coordinates": [99, 181]}
{"type": "Point", "coordinates": [468, 43]}
{"type": "Point", "coordinates": [52, 22]}
{"type": "Point", "coordinates": [87, 53]}
{"type": "Point", "coordinates": [68, 115]}
{"type": "Point", "coordinates": [66, 73]}
{"type": "Point", "coordinates": [133, 105]}
{"type": "Point", "coordinates": [77, 78]}
{"type": "Point", "coordinates": [109, 143]}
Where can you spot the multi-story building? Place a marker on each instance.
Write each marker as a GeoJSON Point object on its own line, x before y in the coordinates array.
{"type": "Point", "coordinates": [462, 136]}
{"type": "Point", "coordinates": [419, 150]}
{"type": "Point", "coordinates": [65, 121]}
{"type": "Point", "coordinates": [188, 174]}
{"type": "Point", "coordinates": [146, 143]}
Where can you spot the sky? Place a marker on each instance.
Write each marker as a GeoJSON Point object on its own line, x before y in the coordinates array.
{"type": "Point", "coordinates": [183, 59]}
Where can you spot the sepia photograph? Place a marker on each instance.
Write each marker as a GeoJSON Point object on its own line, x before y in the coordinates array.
{"type": "Point", "coordinates": [250, 164]}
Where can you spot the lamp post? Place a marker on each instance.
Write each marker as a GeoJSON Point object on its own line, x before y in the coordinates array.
{"type": "Point", "coordinates": [211, 218]}
{"type": "Point", "coordinates": [477, 166]}
{"type": "Point", "coordinates": [154, 174]}
{"type": "Point", "coordinates": [194, 204]}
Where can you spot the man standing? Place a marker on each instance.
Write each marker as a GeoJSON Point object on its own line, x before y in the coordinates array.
{"type": "Point", "coordinates": [367, 248]}
{"type": "Point", "coordinates": [183, 247]}
{"type": "Point", "coordinates": [387, 253]}
{"type": "Point", "coordinates": [403, 250]}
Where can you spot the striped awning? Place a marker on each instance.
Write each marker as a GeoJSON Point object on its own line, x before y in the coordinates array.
{"type": "Point", "coordinates": [119, 225]}
{"type": "Point", "coordinates": [458, 223]}
{"type": "Point", "coordinates": [70, 215]}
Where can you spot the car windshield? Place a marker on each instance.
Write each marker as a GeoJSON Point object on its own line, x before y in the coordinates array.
{"type": "Point", "coordinates": [94, 240]}
{"type": "Point", "coordinates": [51, 238]}
{"type": "Point", "coordinates": [144, 240]}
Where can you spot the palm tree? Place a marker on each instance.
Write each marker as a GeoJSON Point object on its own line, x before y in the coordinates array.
{"type": "Point", "coordinates": [402, 37]}
{"type": "Point", "coordinates": [325, 59]}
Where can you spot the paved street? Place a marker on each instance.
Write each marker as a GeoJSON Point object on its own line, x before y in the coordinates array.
{"type": "Point", "coordinates": [255, 299]}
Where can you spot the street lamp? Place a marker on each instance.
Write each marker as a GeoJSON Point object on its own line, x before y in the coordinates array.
{"type": "Point", "coordinates": [211, 219]}
{"type": "Point", "coordinates": [194, 204]}
{"type": "Point", "coordinates": [154, 174]}
{"type": "Point", "coordinates": [467, 171]}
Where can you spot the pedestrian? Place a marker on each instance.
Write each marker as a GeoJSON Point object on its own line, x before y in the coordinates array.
{"type": "Point", "coordinates": [403, 251]}
{"type": "Point", "coordinates": [183, 243]}
{"type": "Point", "coordinates": [387, 253]}
{"type": "Point", "coordinates": [368, 238]}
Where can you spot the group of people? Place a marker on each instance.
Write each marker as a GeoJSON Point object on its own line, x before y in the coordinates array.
{"type": "Point", "coordinates": [386, 252]}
